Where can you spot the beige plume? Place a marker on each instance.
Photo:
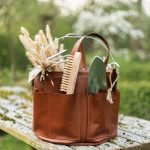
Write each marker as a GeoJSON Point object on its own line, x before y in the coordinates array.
{"type": "Point", "coordinates": [42, 48]}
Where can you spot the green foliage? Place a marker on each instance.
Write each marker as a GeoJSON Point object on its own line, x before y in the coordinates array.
{"type": "Point", "coordinates": [10, 143]}
{"type": "Point", "coordinates": [31, 14]}
{"type": "Point", "coordinates": [134, 84]}
{"type": "Point", "coordinates": [63, 26]}
{"type": "Point", "coordinates": [135, 98]}
{"type": "Point", "coordinates": [21, 77]}
{"type": "Point", "coordinates": [134, 70]}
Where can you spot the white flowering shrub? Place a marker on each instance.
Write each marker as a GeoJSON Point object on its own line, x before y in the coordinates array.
{"type": "Point", "coordinates": [113, 22]}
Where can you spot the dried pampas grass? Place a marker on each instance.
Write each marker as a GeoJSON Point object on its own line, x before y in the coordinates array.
{"type": "Point", "coordinates": [41, 48]}
{"type": "Point", "coordinates": [44, 53]}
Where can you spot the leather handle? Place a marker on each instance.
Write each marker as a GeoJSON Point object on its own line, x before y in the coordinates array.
{"type": "Point", "coordinates": [78, 45]}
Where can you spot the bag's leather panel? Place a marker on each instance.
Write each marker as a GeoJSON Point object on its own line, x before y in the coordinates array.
{"type": "Point", "coordinates": [41, 113]}
{"type": "Point", "coordinates": [79, 118]}
{"type": "Point", "coordinates": [97, 121]}
{"type": "Point", "coordinates": [64, 116]}
{"type": "Point", "coordinates": [57, 115]}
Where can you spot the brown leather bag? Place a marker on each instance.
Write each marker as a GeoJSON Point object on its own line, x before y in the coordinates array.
{"type": "Point", "coordinates": [81, 118]}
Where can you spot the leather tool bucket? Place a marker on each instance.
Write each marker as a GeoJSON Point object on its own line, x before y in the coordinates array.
{"type": "Point", "coordinates": [81, 118]}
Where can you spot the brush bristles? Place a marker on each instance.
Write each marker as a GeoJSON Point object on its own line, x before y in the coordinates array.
{"type": "Point", "coordinates": [66, 74]}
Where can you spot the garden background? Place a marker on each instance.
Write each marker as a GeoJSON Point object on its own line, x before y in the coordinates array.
{"type": "Point", "coordinates": [125, 23]}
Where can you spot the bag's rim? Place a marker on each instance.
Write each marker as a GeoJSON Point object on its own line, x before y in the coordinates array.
{"type": "Point", "coordinates": [61, 72]}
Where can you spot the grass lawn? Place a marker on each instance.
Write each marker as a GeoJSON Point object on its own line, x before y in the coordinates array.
{"type": "Point", "coordinates": [7, 142]}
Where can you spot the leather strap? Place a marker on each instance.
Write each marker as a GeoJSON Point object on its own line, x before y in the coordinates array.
{"type": "Point", "coordinates": [78, 46]}
{"type": "Point", "coordinates": [83, 59]}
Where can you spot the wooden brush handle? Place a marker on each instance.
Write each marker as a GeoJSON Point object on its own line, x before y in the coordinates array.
{"type": "Point", "coordinates": [78, 46]}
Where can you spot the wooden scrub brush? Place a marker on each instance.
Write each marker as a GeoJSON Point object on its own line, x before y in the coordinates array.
{"type": "Point", "coordinates": [70, 73]}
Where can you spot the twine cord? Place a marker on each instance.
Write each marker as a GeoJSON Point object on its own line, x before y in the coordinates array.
{"type": "Point", "coordinates": [72, 35]}
{"type": "Point", "coordinates": [109, 91]}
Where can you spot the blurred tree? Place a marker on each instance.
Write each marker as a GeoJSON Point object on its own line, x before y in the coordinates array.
{"type": "Point", "coordinates": [116, 20]}
{"type": "Point", "coordinates": [14, 14]}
